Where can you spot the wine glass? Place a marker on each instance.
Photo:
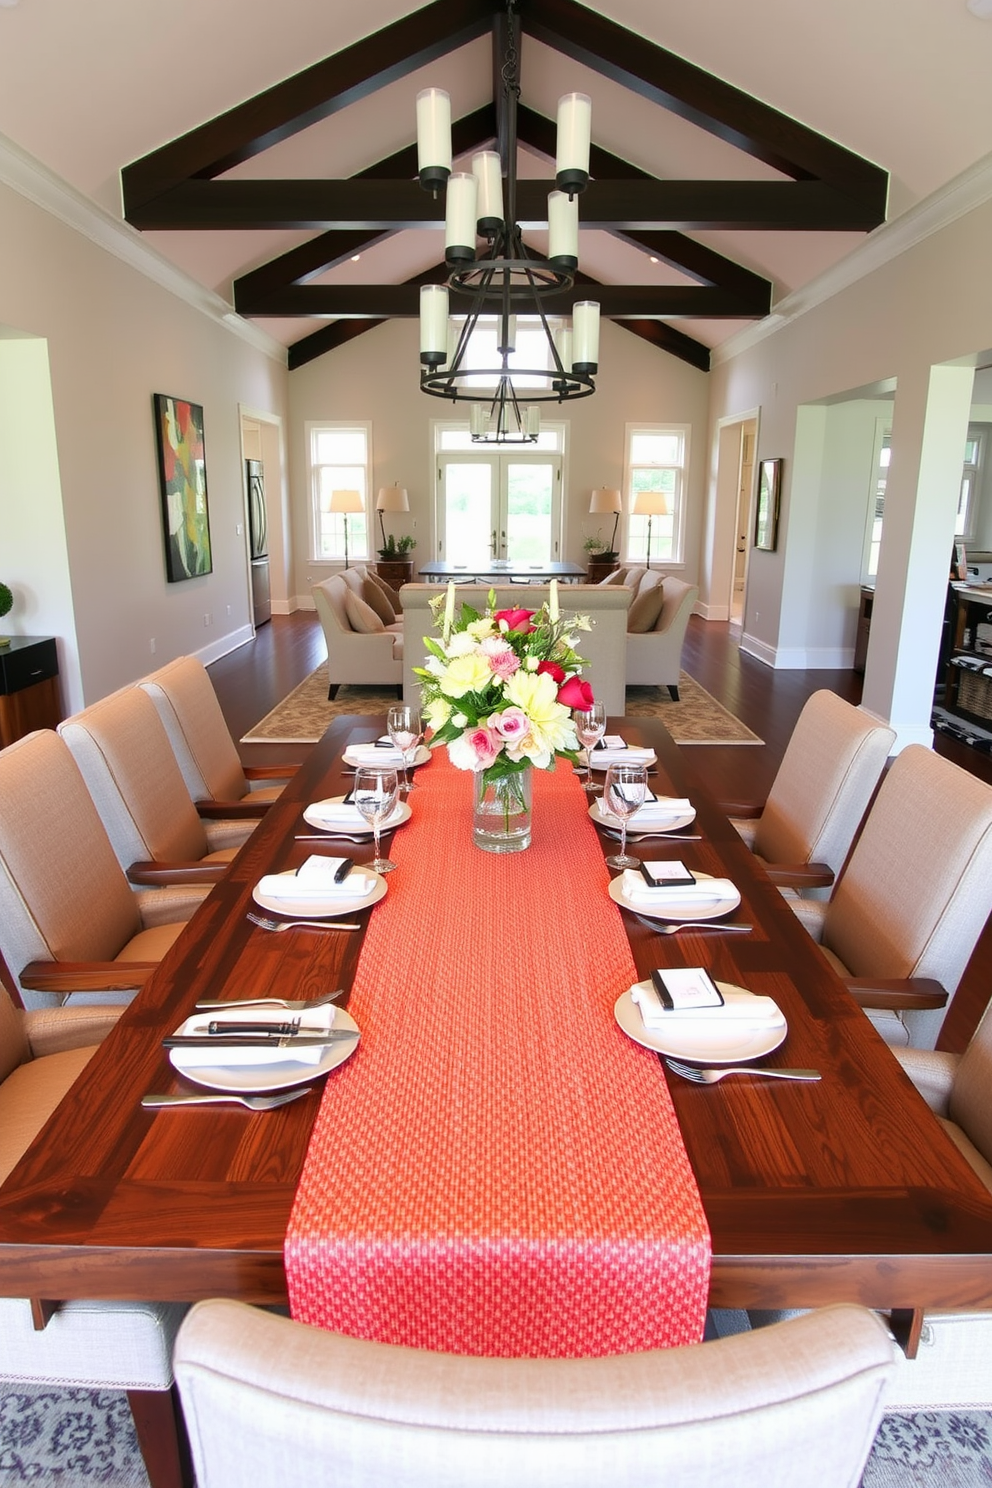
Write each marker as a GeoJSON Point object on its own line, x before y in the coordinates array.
{"type": "Point", "coordinates": [590, 726]}
{"type": "Point", "coordinates": [405, 729]}
{"type": "Point", "coordinates": [376, 791]}
{"type": "Point", "coordinates": [625, 789]}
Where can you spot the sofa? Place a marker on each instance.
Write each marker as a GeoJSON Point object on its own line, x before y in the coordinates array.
{"type": "Point", "coordinates": [656, 625]}
{"type": "Point", "coordinates": [604, 646]}
{"type": "Point", "coordinates": [363, 635]}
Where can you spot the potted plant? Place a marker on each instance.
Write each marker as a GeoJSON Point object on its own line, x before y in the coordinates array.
{"type": "Point", "coordinates": [397, 549]}
{"type": "Point", "coordinates": [602, 558]}
{"type": "Point", "coordinates": [6, 605]}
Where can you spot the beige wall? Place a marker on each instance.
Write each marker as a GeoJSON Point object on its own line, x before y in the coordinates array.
{"type": "Point", "coordinates": [375, 377]}
{"type": "Point", "coordinates": [113, 338]}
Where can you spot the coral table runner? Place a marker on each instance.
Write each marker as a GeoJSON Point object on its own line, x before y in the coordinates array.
{"type": "Point", "coordinates": [498, 1170]}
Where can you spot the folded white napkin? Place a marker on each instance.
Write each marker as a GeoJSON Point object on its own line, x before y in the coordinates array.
{"type": "Point", "coordinates": [632, 755]}
{"type": "Point", "coordinates": [373, 754]}
{"type": "Point", "coordinates": [739, 1006]}
{"type": "Point", "coordinates": [344, 814]}
{"type": "Point", "coordinates": [315, 880]}
{"type": "Point", "coordinates": [249, 1055]}
{"type": "Point", "coordinates": [706, 891]}
{"type": "Point", "coordinates": [661, 810]}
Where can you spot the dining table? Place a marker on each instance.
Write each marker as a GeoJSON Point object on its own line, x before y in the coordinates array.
{"type": "Point", "coordinates": [843, 1189]}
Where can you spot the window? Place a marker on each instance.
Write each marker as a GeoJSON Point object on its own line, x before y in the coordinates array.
{"type": "Point", "coordinates": [340, 460]}
{"type": "Point", "coordinates": [656, 462]}
{"type": "Point", "coordinates": [971, 482]}
{"type": "Point", "coordinates": [881, 455]}
{"type": "Point", "coordinates": [498, 503]}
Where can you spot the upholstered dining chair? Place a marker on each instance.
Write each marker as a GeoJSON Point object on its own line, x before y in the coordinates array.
{"type": "Point", "coordinates": [914, 897]}
{"type": "Point", "coordinates": [124, 755]}
{"type": "Point", "coordinates": [823, 787]}
{"type": "Point", "coordinates": [93, 1345]}
{"type": "Point", "coordinates": [69, 922]}
{"type": "Point", "coordinates": [271, 1402]}
{"type": "Point", "coordinates": [217, 781]}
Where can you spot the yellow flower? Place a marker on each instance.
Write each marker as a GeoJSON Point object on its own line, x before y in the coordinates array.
{"type": "Point", "coordinates": [437, 712]}
{"type": "Point", "coordinates": [465, 674]}
{"type": "Point", "coordinates": [551, 726]}
{"type": "Point", "coordinates": [481, 628]}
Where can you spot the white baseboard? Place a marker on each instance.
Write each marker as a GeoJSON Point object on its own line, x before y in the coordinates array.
{"type": "Point", "coordinates": [799, 658]}
{"type": "Point", "coordinates": [283, 606]}
{"type": "Point", "coordinates": [712, 612]}
{"type": "Point", "coordinates": [224, 645]}
{"type": "Point", "coordinates": [911, 733]}
{"type": "Point", "coordinates": [304, 602]}
{"type": "Point", "coordinates": [758, 649]}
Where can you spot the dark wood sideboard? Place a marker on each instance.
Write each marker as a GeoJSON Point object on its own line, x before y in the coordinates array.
{"type": "Point", "coordinates": [29, 687]}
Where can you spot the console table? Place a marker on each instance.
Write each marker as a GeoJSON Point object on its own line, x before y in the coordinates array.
{"type": "Point", "coordinates": [501, 570]}
{"type": "Point", "coordinates": [29, 688]}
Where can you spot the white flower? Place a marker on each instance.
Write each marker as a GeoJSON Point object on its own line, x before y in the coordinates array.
{"type": "Point", "coordinates": [437, 712]}
{"type": "Point", "coordinates": [481, 628]}
{"type": "Point", "coordinates": [461, 644]}
{"type": "Point", "coordinates": [460, 720]}
{"type": "Point", "coordinates": [532, 663]}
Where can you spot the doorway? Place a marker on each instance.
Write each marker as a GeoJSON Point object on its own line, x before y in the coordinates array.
{"type": "Point", "coordinates": [262, 442]}
{"type": "Point", "coordinates": [505, 506]}
{"type": "Point", "coordinates": [742, 544]}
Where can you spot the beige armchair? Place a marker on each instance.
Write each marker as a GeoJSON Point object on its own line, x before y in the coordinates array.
{"type": "Point", "coordinates": [218, 783]}
{"type": "Point", "coordinates": [361, 646]}
{"type": "Point", "coordinates": [914, 897]}
{"type": "Point", "coordinates": [273, 1403]}
{"type": "Point", "coordinates": [124, 755]}
{"type": "Point", "coordinates": [819, 796]}
{"type": "Point", "coordinates": [69, 923]}
{"type": "Point", "coordinates": [654, 653]}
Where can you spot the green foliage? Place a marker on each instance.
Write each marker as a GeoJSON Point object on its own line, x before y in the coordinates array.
{"type": "Point", "coordinates": [6, 600]}
{"type": "Point", "coordinates": [397, 547]}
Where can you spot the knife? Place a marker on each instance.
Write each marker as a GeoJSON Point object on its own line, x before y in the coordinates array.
{"type": "Point", "coordinates": [219, 1026]}
{"type": "Point", "coordinates": [263, 1041]}
{"type": "Point", "coordinates": [341, 873]}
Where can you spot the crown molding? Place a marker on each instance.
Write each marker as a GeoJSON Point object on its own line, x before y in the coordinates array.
{"type": "Point", "coordinates": [955, 199]}
{"type": "Point", "coordinates": [36, 183]}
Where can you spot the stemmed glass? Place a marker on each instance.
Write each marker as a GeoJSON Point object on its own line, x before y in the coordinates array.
{"type": "Point", "coordinates": [590, 726]}
{"type": "Point", "coordinates": [376, 791]}
{"type": "Point", "coordinates": [625, 790]}
{"type": "Point", "coordinates": [405, 729]}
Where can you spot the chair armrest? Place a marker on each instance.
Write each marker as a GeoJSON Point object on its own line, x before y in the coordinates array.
{"type": "Point", "coordinates": [177, 873]}
{"type": "Point", "coordinates": [171, 905]}
{"type": "Point", "coordinates": [800, 875]}
{"type": "Point", "coordinates": [53, 1030]}
{"type": "Point", "coordinates": [86, 976]}
{"type": "Point", "coordinates": [269, 772]}
{"type": "Point", "coordinates": [896, 992]}
{"type": "Point", "coordinates": [932, 1074]}
{"type": "Point", "coordinates": [233, 810]}
{"type": "Point", "coordinates": [747, 810]}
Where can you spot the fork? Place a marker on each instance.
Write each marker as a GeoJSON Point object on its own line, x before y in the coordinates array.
{"type": "Point", "coordinates": [700, 1076]}
{"type": "Point", "coordinates": [304, 1006]}
{"type": "Point", "coordinates": [253, 1102]}
{"type": "Point", "coordinates": [666, 929]}
{"type": "Point", "coordinates": [265, 923]}
{"type": "Point", "coordinates": [652, 836]}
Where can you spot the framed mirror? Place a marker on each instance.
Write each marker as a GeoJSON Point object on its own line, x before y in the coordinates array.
{"type": "Point", "coordinates": [766, 516]}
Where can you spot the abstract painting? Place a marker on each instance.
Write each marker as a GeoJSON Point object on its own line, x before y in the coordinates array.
{"type": "Point", "coordinates": [183, 479]}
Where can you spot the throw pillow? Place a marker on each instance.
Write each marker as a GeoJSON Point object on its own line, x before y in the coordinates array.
{"type": "Point", "coordinates": [360, 617]}
{"type": "Point", "coordinates": [388, 591]}
{"type": "Point", "coordinates": [616, 577]}
{"type": "Point", "coordinates": [376, 600]}
{"type": "Point", "coordinates": [643, 613]}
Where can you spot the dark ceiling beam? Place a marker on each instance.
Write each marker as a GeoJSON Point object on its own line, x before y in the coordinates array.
{"type": "Point", "coordinates": [398, 301]}
{"type": "Point", "coordinates": [283, 110]}
{"type": "Point", "coordinates": [390, 206]}
{"type": "Point", "coordinates": [328, 338]}
{"type": "Point", "coordinates": [722, 110]}
{"type": "Point", "coordinates": [665, 337]}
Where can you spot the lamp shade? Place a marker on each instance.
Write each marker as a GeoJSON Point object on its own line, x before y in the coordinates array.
{"type": "Point", "coordinates": [651, 504]}
{"type": "Point", "coordinates": [605, 499]}
{"type": "Point", "coordinates": [346, 501]}
{"type": "Point", "coordinates": [392, 498]}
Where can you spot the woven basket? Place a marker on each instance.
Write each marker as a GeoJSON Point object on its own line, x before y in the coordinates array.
{"type": "Point", "coordinates": [975, 695]}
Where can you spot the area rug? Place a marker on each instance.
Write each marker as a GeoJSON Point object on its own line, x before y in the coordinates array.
{"type": "Point", "coordinates": [301, 718]}
{"type": "Point", "coordinates": [60, 1438]}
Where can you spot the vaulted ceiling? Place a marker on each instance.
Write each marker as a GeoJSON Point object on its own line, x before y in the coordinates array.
{"type": "Point", "coordinates": [264, 151]}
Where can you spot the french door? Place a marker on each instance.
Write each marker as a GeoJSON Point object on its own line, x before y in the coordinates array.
{"type": "Point", "coordinates": [505, 506]}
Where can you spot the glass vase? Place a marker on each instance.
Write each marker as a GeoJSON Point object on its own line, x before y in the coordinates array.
{"type": "Point", "coordinates": [501, 810]}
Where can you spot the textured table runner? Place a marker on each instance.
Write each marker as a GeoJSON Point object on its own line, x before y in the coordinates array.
{"type": "Point", "coordinates": [498, 1170]}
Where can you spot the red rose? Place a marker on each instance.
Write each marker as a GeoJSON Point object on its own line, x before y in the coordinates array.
{"type": "Point", "coordinates": [515, 619]}
{"type": "Point", "coordinates": [576, 693]}
{"type": "Point", "coordinates": [553, 670]}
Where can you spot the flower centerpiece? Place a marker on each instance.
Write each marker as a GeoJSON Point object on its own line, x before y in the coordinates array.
{"type": "Point", "coordinates": [498, 689]}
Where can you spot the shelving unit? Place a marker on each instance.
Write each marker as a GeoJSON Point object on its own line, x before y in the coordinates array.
{"type": "Point", "coordinates": [968, 685]}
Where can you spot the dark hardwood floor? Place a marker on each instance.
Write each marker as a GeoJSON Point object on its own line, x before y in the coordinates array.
{"type": "Point", "coordinates": [251, 680]}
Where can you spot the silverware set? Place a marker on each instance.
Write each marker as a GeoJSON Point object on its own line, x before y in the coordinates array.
{"type": "Point", "coordinates": [305, 1006]}
{"type": "Point", "coordinates": [701, 1075]}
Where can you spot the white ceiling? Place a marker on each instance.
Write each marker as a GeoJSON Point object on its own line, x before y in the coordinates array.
{"type": "Point", "coordinates": [86, 88]}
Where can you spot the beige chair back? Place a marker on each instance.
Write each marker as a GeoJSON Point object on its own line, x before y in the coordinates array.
{"type": "Point", "coordinates": [186, 703]}
{"type": "Point", "coordinates": [14, 1048]}
{"type": "Point", "coordinates": [63, 896]}
{"type": "Point", "coordinates": [275, 1404]}
{"type": "Point", "coordinates": [917, 890]}
{"type": "Point", "coordinates": [824, 784]}
{"type": "Point", "coordinates": [130, 770]}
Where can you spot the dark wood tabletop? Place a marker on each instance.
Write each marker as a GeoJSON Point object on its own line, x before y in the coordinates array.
{"type": "Point", "coordinates": [846, 1189]}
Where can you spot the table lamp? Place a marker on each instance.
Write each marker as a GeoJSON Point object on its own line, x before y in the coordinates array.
{"type": "Point", "coordinates": [346, 502]}
{"type": "Point", "coordinates": [605, 499]}
{"type": "Point", "coordinates": [650, 504]}
{"type": "Point", "coordinates": [392, 499]}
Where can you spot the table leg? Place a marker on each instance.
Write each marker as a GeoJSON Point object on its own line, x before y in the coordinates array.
{"type": "Point", "coordinates": [907, 1325]}
{"type": "Point", "coordinates": [158, 1421]}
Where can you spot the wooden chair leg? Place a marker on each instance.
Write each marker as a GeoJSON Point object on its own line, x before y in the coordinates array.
{"type": "Point", "coordinates": [161, 1432]}
{"type": "Point", "coordinates": [673, 688]}
{"type": "Point", "coordinates": [332, 691]}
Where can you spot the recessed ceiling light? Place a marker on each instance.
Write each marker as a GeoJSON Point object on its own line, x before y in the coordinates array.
{"type": "Point", "coordinates": [981, 8]}
{"type": "Point", "coordinates": [355, 257]}
{"type": "Point", "coordinates": [653, 259]}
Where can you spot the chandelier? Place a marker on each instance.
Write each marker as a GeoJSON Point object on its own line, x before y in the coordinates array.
{"type": "Point", "coordinates": [506, 280]}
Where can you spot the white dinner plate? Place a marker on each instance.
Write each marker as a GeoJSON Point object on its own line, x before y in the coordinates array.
{"type": "Point", "coordinates": [713, 1042]}
{"type": "Point", "coordinates": [421, 755]}
{"type": "Point", "coordinates": [636, 758]}
{"type": "Point", "coordinates": [252, 1079]}
{"type": "Point", "coordinates": [661, 909]}
{"type": "Point", "coordinates": [673, 823]}
{"type": "Point", "coordinates": [319, 909]}
{"type": "Point", "coordinates": [312, 816]}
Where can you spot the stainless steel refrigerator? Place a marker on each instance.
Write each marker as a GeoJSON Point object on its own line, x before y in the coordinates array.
{"type": "Point", "coordinates": [258, 533]}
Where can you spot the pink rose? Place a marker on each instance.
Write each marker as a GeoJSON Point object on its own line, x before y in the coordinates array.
{"type": "Point", "coordinates": [576, 693]}
{"type": "Point", "coordinates": [553, 670]}
{"type": "Point", "coordinates": [512, 723]}
{"type": "Point", "coordinates": [515, 620]}
{"type": "Point", "coordinates": [485, 744]}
